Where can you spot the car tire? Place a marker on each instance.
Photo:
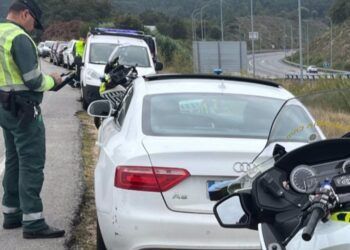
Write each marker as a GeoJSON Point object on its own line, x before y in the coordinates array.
{"type": "Point", "coordinates": [83, 100]}
{"type": "Point", "coordinates": [97, 122]}
{"type": "Point", "coordinates": [100, 244]}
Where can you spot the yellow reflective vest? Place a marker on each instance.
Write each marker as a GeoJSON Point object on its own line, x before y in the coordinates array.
{"type": "Point", "coordinates": [10, 76]}
{"type": "Point", "coordinates": [79, 48]}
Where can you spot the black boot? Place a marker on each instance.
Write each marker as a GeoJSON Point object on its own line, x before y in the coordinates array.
{"type": "Point", "coordinates": [12, 225]}
{"type": "Point", "coordinates": [49, 232]}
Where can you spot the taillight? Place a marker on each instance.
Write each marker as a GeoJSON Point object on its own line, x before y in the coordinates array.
{"type": "Point", "coordinates": [156, 179]}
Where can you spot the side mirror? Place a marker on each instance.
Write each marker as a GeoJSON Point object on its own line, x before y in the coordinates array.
{"type": "Point", "coordinates": [159, 66]}
{"type": "Point", "coordinates": [100, 109]}
{"type": "Point", "coordinates": [231, 212]}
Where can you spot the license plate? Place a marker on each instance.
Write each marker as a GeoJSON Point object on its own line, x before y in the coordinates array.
{"type": "Point", "coordinates": [215, 190]}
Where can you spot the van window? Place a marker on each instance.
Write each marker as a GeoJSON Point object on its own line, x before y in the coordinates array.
{"type": "Point", "coordinates": [133, 56]}
{"type": "Point", "coordinates": [100, 52]}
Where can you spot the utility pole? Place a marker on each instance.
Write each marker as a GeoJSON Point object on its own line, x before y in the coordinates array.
{"type": "Point", "coordinates": [331, 22]}
{"type": "Point", "coordinates": [307, 42]}
{"type": "Point", "coordinates": [194, 25]}
{"type": "Point", "coordinates": [291, 37]}
{"type": "Point", "coordinates": [252, 20]}
{"type": "Point", "coordinates": [284, 40]}
{"type": "Point", "coordinates": [202, 31]}
{"type": "Point", "coordinates": [300, 45]}
{"type": "Point", "coordinates": [222, 24]}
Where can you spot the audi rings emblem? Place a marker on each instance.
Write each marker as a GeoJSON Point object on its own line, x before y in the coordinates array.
{"type": "Point", "coordinates": [243, 167]}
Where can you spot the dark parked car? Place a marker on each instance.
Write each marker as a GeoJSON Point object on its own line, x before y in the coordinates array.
{"type": "Point", "coordinates": [58, 53]}
{"type": "Point", "coordinates": [53, 50]}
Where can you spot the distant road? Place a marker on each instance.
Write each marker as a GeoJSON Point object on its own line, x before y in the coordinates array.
{"type": "Point", "coordinates": [270, 65]}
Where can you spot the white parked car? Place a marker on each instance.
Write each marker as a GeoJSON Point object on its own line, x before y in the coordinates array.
{"type": "Point", "coordinates": [98, 49]}
{"type": "Point", "coordinates": [44, 48]}
{"type": "Point", "coordinates": [173, 137]}
{"type": "Point", "coordinates": [41, 46]}
{"type": "Point", "coordinates": [69, 55]}
{"type": "Point", "coordinates": [312, 69]}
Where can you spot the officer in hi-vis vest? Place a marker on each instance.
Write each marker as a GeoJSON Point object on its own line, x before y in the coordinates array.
{"type": "Point", "coordinates": [21, 91]}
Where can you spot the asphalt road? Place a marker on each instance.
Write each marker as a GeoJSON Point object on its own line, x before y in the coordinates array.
{"type": "Point", "coordinates": [63, 186]}
{"type": "Point", "coordinates": [270, 65]}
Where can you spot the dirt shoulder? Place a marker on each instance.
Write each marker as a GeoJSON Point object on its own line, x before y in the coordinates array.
{"type": "Point", "coordinates": [84, 236]}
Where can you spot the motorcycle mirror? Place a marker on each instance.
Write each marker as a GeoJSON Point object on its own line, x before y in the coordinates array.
{"type": "Point", "coordinates": [100, 109]}
{"type": "Point", "coordinates": [230, 212]}
{"type": "Point", "coordinates": [278, 151]}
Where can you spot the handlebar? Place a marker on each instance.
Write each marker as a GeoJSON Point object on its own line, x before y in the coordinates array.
{"type": "Point", "coordinates": [316, 215]}
{"type": "Point", "coordinates": [67, 80]}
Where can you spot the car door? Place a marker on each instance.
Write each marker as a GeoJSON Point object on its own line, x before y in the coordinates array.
{"type": "Point", "coordinates": [110, 141]}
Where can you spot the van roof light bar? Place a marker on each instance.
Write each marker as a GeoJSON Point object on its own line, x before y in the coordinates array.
{"type": "Point", "coordinates": [111, 31]}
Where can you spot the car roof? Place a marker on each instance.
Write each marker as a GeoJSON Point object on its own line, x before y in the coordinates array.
{"type": "Point", "coordinates": [175, 83]}
{"type": "Point", "coordinates": [116, 40]}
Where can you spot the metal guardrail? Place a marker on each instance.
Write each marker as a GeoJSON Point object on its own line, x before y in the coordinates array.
{"type": "Point", "coordinates": [295, 76]}
{"type": "Point", "coordinates": [320, 69]}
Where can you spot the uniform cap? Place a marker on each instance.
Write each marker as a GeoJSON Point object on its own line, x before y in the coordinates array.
{"type": "Point", "coordinates": [35, 11]}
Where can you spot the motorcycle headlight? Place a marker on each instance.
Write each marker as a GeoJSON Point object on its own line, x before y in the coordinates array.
{"type": "Point", "coordinates": [92, 75]}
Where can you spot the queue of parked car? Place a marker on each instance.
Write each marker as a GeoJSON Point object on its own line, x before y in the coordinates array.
{"type": "Point", "coordinates": [133, 48]}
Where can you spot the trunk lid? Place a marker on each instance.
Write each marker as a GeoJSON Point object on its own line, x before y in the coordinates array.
{"type": "Point", "coordinates": [208, 160]}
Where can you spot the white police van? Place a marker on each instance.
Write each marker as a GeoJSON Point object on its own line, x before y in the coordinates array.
{"type": "Point", "coordinates": [101, 43]}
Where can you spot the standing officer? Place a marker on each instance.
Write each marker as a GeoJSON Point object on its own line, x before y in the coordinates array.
{"type": "Point", "coordinates": [21, 91]}
{"type": "Point", "coordinates": [79, 53]}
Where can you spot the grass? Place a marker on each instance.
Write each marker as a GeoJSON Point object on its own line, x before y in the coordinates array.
{"type": "Point", "coordinates": [334, 124]}
{"type": "Point", "coordinates": [85, 230]}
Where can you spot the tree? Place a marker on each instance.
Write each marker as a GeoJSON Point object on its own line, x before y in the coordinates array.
{"type": "Point", "coordinates": [179, 29]}
{"type": "Point", "coordinates": [340, 11]}
{"type": "Point", "coordinates": [128, 22]}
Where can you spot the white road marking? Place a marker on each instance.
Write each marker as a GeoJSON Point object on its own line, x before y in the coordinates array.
{"type": "Point", "coordinates": [2, 166]}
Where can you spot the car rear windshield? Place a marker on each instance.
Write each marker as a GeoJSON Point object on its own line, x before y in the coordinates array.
{"type": "Point", "coordinates": [133, 56]}
{"type": "Point", "coordinates": [100, 52]}
{"type": "Point", "coordinates": [209, 115]}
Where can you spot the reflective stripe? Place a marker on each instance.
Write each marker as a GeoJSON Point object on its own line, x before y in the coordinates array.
{"type": "Point", "coordinates": [32, 75]}
{"type": "Point", "coordinates": [10, 210]}
{"type": "Point", "coordinates": [34, 216]}
{"type": "Point", "coordinates": [3, 61]}
{"type": "Point", "coordinates": [14, 88]}
{"type": "Point", "coordinates": [46, 84]}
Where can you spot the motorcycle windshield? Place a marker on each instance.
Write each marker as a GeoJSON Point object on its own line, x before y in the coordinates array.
{"type": "Point", "coordinates": [302, 120]}
{"type": "Point", "coordinates": [312, 117]}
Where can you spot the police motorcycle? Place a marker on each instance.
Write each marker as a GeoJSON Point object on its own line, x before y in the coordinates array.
{"type": "Point", "coordinates": [115, 84]}
{"type": "Point", "coordinates": [298, 199]}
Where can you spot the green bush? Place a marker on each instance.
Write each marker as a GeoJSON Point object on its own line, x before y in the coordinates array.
{"type": "Point", "coordinates": [175, 54]}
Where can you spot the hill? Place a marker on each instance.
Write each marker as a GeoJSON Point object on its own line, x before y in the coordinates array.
{"type": "Point", "coordinates": [321, 47]}
{"type": "Point", "coordinates": [184, 8]}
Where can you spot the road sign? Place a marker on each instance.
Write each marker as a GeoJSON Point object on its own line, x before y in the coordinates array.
{"type": "Point", "coordinates": [326, 65]}
{"type": "Point", "coordinates": [253, 35]}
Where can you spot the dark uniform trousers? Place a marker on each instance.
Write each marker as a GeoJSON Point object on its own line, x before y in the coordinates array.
{"type": "Point", "coordinates": [23, 177]}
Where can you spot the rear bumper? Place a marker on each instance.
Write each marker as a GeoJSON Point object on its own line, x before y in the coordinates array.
{"type": "Point", "coordinates": [146, 223]}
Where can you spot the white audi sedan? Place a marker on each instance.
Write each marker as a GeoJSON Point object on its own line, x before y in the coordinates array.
{"type": "Point", "coordinates": [173, 137]}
